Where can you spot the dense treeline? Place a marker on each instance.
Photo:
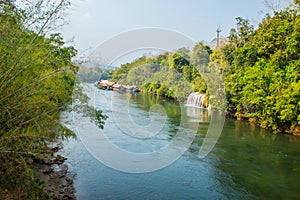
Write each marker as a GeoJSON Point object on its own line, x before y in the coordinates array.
{"type": "Point", "coordinates": [37, 79]}
{"type": "Point", "coordinates": [171, 74]}
{"type": "Point", "coordinates": [260, 68]}
{"type": "Point", "coordinates": [261, 71]}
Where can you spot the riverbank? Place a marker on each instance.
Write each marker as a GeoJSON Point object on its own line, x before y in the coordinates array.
{"type": "Point", "coordinates": [202, 101]}
{"type": "Point", "coordinates": [58, 183]}
{"type": "Point", "coordinates": [11, 195]}
{"type": "Point", "coordinates": [294, 132]}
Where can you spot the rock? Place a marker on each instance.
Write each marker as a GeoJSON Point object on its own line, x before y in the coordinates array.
{"type": "Point", "coordinates": [59, 159]}
{"type": "Point", "coordinates": [58, 183]}
{"type": "Point", "coordinates": [55, 149]}
{"type": "Point", "coordinates": [46, 169]}
{"type": "Point", "coordinates": [63, 171]}
{"type": "Point", "coordinates": [47, 161]}
{"type": "Point", "coordinates": [69, 180]}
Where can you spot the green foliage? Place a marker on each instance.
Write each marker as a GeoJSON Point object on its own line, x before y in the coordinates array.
{"type": "Point", "coordinates": [37, 79]}
{"type": "Point", "coordinates": [200, 55]}
{"type": "Point", "coordinates": [172, 75]}
{"type": "Point", "coordinates": [260, 69]}
{"type": "Point", "coordinates": [119, 74]}
{"type": "Point", "coordinates": [180, 59]}
{"type": "Point", "coordinates": [261, 72]}
{"type": "Point", "coordinates": [242, 34]}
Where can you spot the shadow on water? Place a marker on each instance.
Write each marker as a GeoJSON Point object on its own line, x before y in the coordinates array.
{"type": "Point", "coordinates": [257, 162]}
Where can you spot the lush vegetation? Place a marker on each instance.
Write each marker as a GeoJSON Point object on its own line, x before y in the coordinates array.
{"type": "Point", "coordinates": [261, 71]}
{"type": "Point", "coordinates": [260, 68]}
{"type": "Point", "coordinates": [37, 79]}
{"type": "Point", "coordinates": [172, 75]}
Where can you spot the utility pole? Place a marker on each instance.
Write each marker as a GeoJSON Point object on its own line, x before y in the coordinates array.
{"type": "Point", "coordinates": [218, 36]}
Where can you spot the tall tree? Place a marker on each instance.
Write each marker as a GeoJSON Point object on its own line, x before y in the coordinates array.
{"type": "Point", "coordinates": [36, 83]}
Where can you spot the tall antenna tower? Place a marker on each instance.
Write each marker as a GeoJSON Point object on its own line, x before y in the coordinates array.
{"type": "Point", "coordinates": [218, 36]}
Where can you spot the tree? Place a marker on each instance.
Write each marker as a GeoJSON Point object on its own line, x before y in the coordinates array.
{"type": "Point", "coordinates": [275, 5]}
{"type": "Point", "coordinates": [242, 34]}
{"type": "Point", "coordinates": [37, 80]}
{"type": "Point", "coordinates": [180, 59]}
{"type": "Point", "coordinates": [200, 55]}
{"type": "Point", "coordinates": [262, 82]}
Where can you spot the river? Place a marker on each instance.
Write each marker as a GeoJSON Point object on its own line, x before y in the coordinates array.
{"type": "Point", "coordinates": [246, 163]}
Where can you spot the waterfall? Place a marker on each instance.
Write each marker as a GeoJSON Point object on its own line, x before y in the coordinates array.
{"type": "Point", "coordinates": [196, 99]}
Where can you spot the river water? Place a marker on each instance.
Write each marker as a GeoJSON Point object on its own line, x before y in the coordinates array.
{"type": "Point", "coordinates": [246, 163]}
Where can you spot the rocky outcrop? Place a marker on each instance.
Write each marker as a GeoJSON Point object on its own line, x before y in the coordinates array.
{"type": "Point", "coordinates": [58, 181]}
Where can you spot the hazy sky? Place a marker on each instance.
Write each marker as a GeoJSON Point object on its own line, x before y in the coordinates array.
{"type": "Point", "coordinates": [92, 22]}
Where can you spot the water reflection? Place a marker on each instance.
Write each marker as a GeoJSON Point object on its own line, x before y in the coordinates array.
{"type": "Point", "coordinates": [246, 163]}
{"type": "Point", "coordinates": [256, 162]}
{"type": "Point", "coordinates": [198, 114]}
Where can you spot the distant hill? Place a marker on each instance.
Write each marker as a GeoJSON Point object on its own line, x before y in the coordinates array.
{"type": "Point", "coordinates": [91, 72]}
{"type": "Point", "coordinates": [96, 65]}
{"type": "Point", "coordinates": [213, 43]}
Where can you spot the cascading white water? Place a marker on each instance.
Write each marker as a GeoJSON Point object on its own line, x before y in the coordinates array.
{"type": "Point", "coordinates": [196, 99]}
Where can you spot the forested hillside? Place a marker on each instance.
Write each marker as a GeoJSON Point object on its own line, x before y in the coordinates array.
{"type": "Point", "coordinates": [259, 67]}
{"type": "Point", "coordinates": [261, 71]}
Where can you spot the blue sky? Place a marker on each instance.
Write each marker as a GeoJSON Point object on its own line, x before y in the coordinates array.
{"type": "Point", "coordinates": [94, 21]}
